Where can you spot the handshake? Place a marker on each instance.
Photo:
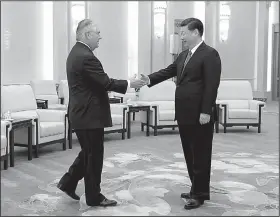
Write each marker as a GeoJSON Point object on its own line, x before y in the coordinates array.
{"type": "Point", "coordinates": [137, 83]}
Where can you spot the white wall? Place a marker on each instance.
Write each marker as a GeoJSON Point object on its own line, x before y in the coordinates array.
{"type": "Point", "coordinates": [111, 18]}
{"type": "Point", "coordinates": [22, 55]}
{"type": "Point", "coordinates": [176, 10]}
{"type": "Point", "coordinates": [60, 42]}
{"type": "Point", "coordinates": [275, 8]}
{"type": "Point", "coordinates": [144, 37]}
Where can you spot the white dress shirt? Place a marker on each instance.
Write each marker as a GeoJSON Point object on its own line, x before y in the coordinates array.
{"type": "Point", "coordinates": [195, 47]}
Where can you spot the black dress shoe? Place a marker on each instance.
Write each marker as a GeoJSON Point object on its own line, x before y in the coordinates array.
{"type": "Point", "coordinates": [105, 202]}
{"type": "Point", "coordinates": [186, 195]}
{"type": "Point", "coordinates": [71, 194]}
{"type": "Point", "coordinates": [193, 203]}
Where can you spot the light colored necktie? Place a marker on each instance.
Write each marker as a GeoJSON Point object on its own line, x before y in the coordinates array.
{"type": "Point", "coordinates": [186, 61]}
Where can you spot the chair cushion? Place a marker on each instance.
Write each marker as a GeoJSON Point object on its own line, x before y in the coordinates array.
{"type": "Point", "coordinates": [117, 119]}
{"type": "Point", "coordinates": [167, 115]}
{"type": "Point", "coordinates": [60, 89]}
{"type": "Point", "coordinates": [57, 106]}
{"type": "Point", "coordinates": [235, 90]}
{"type": "Point", "coordinates": [238, 104]}
{"type": "Point", "coordinates": [242, 114]}
{"type": "Point", "coordinates": [51, 128]}
{"type": "Point", "coordinates": [44, 87]}
{"type": "Point", "coordinates": [16, 98]}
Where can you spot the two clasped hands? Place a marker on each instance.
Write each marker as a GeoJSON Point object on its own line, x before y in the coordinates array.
{"type": "Point", "coordinates": [137, 83]}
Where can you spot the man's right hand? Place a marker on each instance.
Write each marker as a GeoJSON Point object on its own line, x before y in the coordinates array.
{"type": "Point", "coordinates": [145, 78]}
{"type": "Point", "coordinates": [137, 83]}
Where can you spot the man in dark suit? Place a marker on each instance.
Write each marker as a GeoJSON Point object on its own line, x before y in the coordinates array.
{"type": "Point", "coordinates": [89, 113]}
{"type": "Point", "coordinates": [198, 72]}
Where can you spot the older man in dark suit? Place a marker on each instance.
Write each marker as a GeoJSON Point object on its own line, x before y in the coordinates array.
{"type": "Point", "coordinates": [89, 113]}
{"type": "Point", "coordinates": [198, 72]}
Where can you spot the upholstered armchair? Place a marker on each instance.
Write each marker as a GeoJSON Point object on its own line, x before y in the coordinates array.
{"type": "Point", "coordinates": [5, 147]}
{"type": "Point", "coordinates": [236, 105]}
{"type": "Point", "coordinates": [49, 126]}
{"type": "Point", "coordinates": [45, 90]}
{"type": "Point", "coordinates": [161, 98]}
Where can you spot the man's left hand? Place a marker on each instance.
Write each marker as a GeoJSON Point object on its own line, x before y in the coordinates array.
{"type": "Point", "coordinates": [204, 118]}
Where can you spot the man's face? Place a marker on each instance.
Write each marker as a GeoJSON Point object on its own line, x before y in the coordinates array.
{"type": "Point", "coordinates": [187, 36]}
{"type": "Point", "coordinates": [93, 37]}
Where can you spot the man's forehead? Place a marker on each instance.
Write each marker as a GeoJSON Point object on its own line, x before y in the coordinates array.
{"type": "Point", "coordinates": [183, 28]}
{"type": "Point", "coordinates": [95, 28]}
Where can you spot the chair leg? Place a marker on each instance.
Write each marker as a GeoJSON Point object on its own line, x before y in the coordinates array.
{"type": "Point", "coordinates": [247, 126]}
{"type": "Point", "coordinates": [217, 127]}
{"type": "Point", "coordinates": [259, 128]}
{"type": "Point", "coordinates": [70, 139]}
{"type": "Point", "coordinates": [134, 116]}
{"type": "Point", "coordinates": [36, 151]}
{"type": "Point", "coordinates": [64, 145]}
{"type": "Point", "coordinates": [123, 135]}
{"type": "Point", "coordinates": [155, 130]}
{"type": "Point", "coordinates": [6, 164]}
{"type": "Point", "coordinates": [142, 127]}
{"type": "Point", "coordinates": [225, 128]}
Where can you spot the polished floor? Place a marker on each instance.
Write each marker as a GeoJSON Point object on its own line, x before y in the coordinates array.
{"type": "Point", "coordinates": [146, 175]}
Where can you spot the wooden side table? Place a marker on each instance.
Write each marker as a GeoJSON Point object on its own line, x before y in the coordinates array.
{"type": "Point", "coordinates": [17, 124]}
{"type": "Point", "coordinates": [137, 108]}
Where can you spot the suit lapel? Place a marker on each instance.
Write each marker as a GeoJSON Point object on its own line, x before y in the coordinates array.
{"type": "Point", "coordinates": [192, 59]}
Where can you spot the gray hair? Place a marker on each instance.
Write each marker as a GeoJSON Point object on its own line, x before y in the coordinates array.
{"type": "Point", "coordinates": [83, 27]}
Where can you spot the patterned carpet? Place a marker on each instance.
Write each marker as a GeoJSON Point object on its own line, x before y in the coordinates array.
{"type": "Point", "coordinates": [146, 175]}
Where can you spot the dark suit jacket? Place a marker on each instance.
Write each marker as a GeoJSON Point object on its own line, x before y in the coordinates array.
{"type": "Point", "coordinates": [197, 86]}
{"type": "Point", "coordinates": [89, 106]}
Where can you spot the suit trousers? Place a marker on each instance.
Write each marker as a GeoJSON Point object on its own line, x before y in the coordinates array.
{"type": "Point", "coordinates": [87, 165]}
{"type": "Point", "coordinates": [197, 147]}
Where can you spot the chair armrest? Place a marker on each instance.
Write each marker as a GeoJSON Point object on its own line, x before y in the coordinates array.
{"type": "Point", "coordinates": [221, 102]}
{"type": "Point", "coordinates": [255, 104]}
{"type": "Point", "coordinates": [5, 126]}
{"type": "Point", "coordinates": [46, 115]}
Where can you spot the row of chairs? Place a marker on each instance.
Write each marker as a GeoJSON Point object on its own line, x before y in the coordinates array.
{"type": "Point", "coordinates": [40, 102]}
{"type": "Point", "coordinates": [235, 104]}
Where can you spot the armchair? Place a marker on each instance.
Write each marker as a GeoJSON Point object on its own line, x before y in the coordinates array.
{"type": "Point", "coordinates": [45, 90]}
{"type": "Point", "coordinates": [49, 126]}
{"type": "Point", "coordinates": [236, 106]}
{"type": "Point", "coordinates": [5, 145]}
{"type": "Point", "coordinates": [161, 98]}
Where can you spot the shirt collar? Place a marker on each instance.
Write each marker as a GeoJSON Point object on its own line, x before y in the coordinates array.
{"type": "Point", "coordinates": [84, 44]}
{"type": "Point", "coordinates": [195, 48]}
